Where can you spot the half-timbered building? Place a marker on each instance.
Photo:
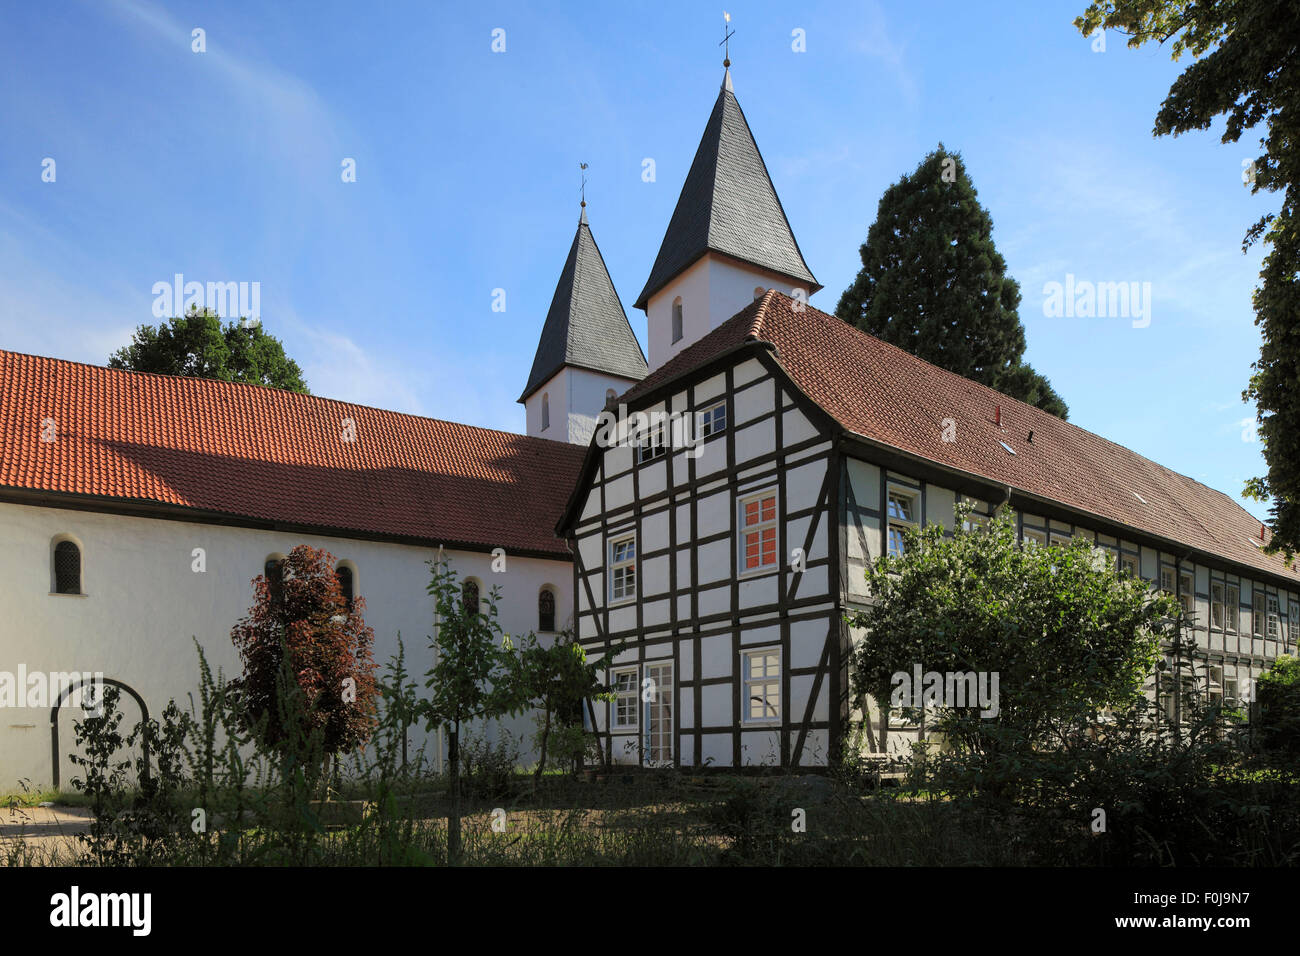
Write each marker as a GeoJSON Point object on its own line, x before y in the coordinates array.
{"type": "Point", "coordinates": [724, 563]}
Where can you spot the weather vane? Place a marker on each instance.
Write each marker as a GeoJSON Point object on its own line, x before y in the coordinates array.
{"type": "Point", "coordinates": [726, 37]}
{"type": "Point", "coordinates": [583, 166]}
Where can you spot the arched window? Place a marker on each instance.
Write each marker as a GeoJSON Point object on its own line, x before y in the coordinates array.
{"type": "Point", "coordinates": [67, 568]}
{"type": "Point", "coordinates": [546, 610]}
{"type": "Point", "coordinates": [677, 319]}
{"type": "Point", "coordinates": [610, 396]}
{"type": "Point", "coordinates": [344, 575]}
{"type": "Point", "coordinates": [273, 571]}
{"type": "Point", "coordinates": [469, 596]}
{"type": "Point", "coordinates": [546, 411]}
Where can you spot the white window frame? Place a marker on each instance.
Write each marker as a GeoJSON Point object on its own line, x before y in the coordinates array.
{"type": "Point", "coordinates": [1258, 611]}
{"type": "Point", "coordinates": [1187, 595]}
{"type": "Point", "coordinates": [1274, 611]}
{"type": "Point", "coordinates": [1168, 580]}
{"type": "Point", "coordinates": [1232, 609]}
{"type": "Point", "coordinates": [744, 530]}
{"type": "Point", "coordinates": [1036, 537]}
{"type": "Point", "coordinates": [1130, 559]}
{"type": "Point", "coordinates": [628, 561]}
{"type": "Point", "coordinates": [651, 444]}
{"type": "Point", "coordinates": [749, 682]}
{"type": "Point", "coordinates": [631, 695]}
{"type": "Point", "coordinates": [707, 421]}
{"type": "Point", "coordinates": [1218, 605]}
{"type": "Point", "coordinates": [901, 524]}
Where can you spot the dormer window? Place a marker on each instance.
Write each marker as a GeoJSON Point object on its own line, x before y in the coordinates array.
{"type": "Point", "coordinates": [677, 319]}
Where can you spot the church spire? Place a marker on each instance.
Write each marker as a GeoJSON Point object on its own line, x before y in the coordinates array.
{"type": "Point", "coordinates": [728, 205]}
{"type": "Point", "coordinates": [586, 327]}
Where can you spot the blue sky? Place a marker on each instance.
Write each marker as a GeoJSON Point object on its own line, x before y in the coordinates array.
{"type": "Point", "coordinates": [225, 166]}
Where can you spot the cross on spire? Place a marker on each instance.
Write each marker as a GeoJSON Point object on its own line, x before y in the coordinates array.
{"type": "Point", "coordinates": [727, 34]}
{"type": "Point", "coordinates": [583, 188]}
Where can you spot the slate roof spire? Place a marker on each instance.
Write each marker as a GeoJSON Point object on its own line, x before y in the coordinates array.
{"type": "Point", "coordinates": [728, 205]}
{"type": "Point", "coordinates": [585, 326]}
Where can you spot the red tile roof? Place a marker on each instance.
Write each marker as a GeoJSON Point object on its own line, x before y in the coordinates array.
{"type": "Point", "coordinates": [270, 455]}
{"type": "Point", "coordinates": [883, 393]}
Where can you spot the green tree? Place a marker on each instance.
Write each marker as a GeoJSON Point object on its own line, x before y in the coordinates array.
{"type": "Point", "coordinates": [558, 679]}
{"type": "Point", "coordinates": [1065, 633]}
{"type": "Point", "coordinates": [1279, 709]}
{"type": "Point", "coordinates": [198, 345]}
{"type": "Point", "coordinates": [472, 677]}
{"type": "Point", "coordinates": [932, 282]}
{"type": "Point", "coordinates": [1247, 69]}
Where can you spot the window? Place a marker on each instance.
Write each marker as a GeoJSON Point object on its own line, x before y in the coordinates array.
{"type": "Point", "coordinates": [1167, 580]}
{"type": "Point", "coordinates": [1128, 564]}
{"type": "Point", "coordinates": [622, 569]}
{"type": "Point", "coordinates": [677, 319]}
{"type": "Point", "coordinates": [546, 610]}
{"type": "Point", "coordinates": [1187, 592]}
{"type": "Point", "coordinates": [1232, 615]}
{"type": "Point", "coordinates": [902, 515]}
{"type": "Point", "coordinates": [273, 571]}
{"type": "Point", "coordinates": [1230, 692]}
{"type": "Point", "coordinates": [1292, 633]}
{"type": "Point", "coordinates": [344, 575]}
{"type": "Point", "coordinates": [67, 568]}
{"type": "Point", "coordinates": [546, 411]}
{"type": "Point", "coordinates": [1215, 685]}
{"type": "Point", "coordinates": [973, 522]}
{"type": "Point", "coordinates": [650, 444]}
{"type": "Point", "coordinates": [712, 420]}
{"type": "Point", "coordinates": [1034, 538]}
{"type": "Point", "coordinates": [1216, 605]}
{"type": "Point", "coordinates": [626, 699]}
{"type": "Point", "coordinates": [758, 532]}
{"type": "Point", "coordinates": [1257, 617]}
{"type": "Point", "coordinates": [762, 685]}
{"type": "Point", "coordinates": [1274, 619]}
{"type": "Point", "coordinates": [469, 596]}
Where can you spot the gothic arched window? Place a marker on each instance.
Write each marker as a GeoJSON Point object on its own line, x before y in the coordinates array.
{"type": "Point", "coordinates": [273, 571]}
{"type": "Point", "coordinates": [546, 610]}
{"type": "Point", "coordinates": [344, 575]}
{"type": "Point", "coordinates": [67, 568]}
{"type": "Point", "coordinates": [469, 596]}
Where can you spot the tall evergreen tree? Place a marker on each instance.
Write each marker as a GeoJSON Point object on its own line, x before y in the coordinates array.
{"type": "Point", "coordinates": [197, 344]}
{"type": "Point", "coordinates": [932, 282]}
{"type": "Point", "coordinates": [1247, 70]}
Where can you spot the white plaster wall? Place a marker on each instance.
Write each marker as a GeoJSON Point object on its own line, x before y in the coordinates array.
{"type": "Point", "coordinates": [557, 390]}
{"type": "Point", "coordinates": [586, 397]}
{"type": "Point", "coordinates": [712, 291]}
{"type": "Point", "coordinates": [143, 603]}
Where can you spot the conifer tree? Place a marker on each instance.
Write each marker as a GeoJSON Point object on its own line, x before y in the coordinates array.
{"type": "Point", "coordinates": [932, 282]}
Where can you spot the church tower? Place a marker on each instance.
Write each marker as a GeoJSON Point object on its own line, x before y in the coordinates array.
{"type": "Point", "coordinates": [587, 353]}
{"type": "Point", "coordinates": [728, 240]}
